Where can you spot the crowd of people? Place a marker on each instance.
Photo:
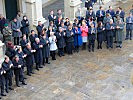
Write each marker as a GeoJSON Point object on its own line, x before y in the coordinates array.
{"type": "Point", "coordinates": [26, 48]}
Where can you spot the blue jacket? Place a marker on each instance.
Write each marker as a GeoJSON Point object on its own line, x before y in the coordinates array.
{"type": "Point", "coordinates": [25, 27]}
{"type": "Point", "coordinates": [77, 37]}
{"type": "Point", "coordinates": [38, 54]}
{"type": "Point", "coordinates": [122, 14]}
{"type": "Point", "coordinates": [111, 12]}
{"type": "Point", "coordinates": [39, 29]}
{"type": "Point", "coordinates": [88, 15]}
{"type": "Point", "coordinates": [100, 18]}
{"type": "Point", "coordinates": [92, 35]}
{"type": "Point", "coordinates": [109, 30]}
{"type": "Point", "coordinates": [129, 25]}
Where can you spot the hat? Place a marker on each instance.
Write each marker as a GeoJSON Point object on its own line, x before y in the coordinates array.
{"type": "Point", "coordinates": [5, 25]}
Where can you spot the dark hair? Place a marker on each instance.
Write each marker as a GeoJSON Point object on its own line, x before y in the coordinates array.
{"type": "Point", "coordinates": [120, 8]}
{"type": "Point", "coordinates": [32, 31]}
{"type": "Point", "coordinates": [24, 16]}
{"type": "Point", "coordinates": [100, 7]}
{"type": "Point", "coordinates": [99, 23]}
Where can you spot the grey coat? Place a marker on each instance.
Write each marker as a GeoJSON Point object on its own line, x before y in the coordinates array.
{"type": "Point", "coordinates": [14, 27]}
{"type": "Point", "coordinates": [119, 32]}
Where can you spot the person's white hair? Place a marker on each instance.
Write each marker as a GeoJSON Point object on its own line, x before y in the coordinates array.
{"type": "Point", "coordinates": [37, 39]}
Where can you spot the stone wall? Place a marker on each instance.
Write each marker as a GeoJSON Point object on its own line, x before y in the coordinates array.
{"type": "Point", "coordinates": [47, 2]}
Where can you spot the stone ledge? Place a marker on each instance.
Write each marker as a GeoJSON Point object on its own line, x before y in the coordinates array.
{"type": "Point", "coordinates": [48, 3]}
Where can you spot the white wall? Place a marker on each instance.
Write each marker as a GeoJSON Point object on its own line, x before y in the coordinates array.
{"type": "Point", "coordinates": [45, 1]}
{"type": "Point", "coordinates": [2, 7]}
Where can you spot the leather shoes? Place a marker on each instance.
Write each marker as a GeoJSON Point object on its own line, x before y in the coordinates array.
{"type": "Point", "coordinates": [40, 67]}
{"type": "Point", "coordinates": [18, 85]}
{"type": "Point", "coordinates": [24, 83]}
{"type": "Point", "coordinates": [32, 73]}
{"type": "Point", "coordinates": [7, 91]}
{"type": "Point", "coordinates": [29, 74]}
{"type": "Point", "coordinates": [3, 94]}
{"type": "Point", "coordinates": [11, 88]}
{"type": "Point", "coordinates": [48, 62]}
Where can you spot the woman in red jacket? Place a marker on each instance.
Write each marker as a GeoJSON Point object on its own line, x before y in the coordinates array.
{"type": "Point", "coordinates": [84, 30]}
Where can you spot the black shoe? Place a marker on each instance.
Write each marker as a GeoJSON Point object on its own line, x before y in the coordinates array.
{"type": "Point", "coordinates": [29, 74]}
{"type": "Point", "coordinates": [97, 47]}
{"type": "Point", "coordinates": [0, 98]}
{"type": "Point", "coordinates": [40, 67]}
{"type": "Point", "coordinates": [3, 94]}
{"type": "Point", "coordinates": [48, 62]}
{"type": "Point", "coordinates": [7, 91]}
{"type": "Point", "coordinates": [24, 83]}
{"type": "Point", "coordinates": [11, 88]}
{"type": "Point", "coordinates": [18, 85]}
{"type": "Point", "coordinates": [25, 78]}
{"type": "Point", "coordinates": [100, 47]}
{"type": "Point", "coordinates": [63, 55]}
{"type": "Point", "coordinates": [130, 38]}
{"type": "Point", "coordinates": [126, 38]}
{"type": "Point", "coordinates": [53, 59]}
{"type": "Point", "coordinates": [60, 55]}
{"type": "Point", "coordinates": [44, 64]}
{"type": "Point", "coordinates": [32, 73]}
{"type": "Point", "coordinates": [37, 69]}
{"type": "Point", "coordinates": [117, 46]}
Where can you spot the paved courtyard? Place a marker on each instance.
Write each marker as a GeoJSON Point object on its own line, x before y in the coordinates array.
{"type": "Point", "coordinates": [102, 75]}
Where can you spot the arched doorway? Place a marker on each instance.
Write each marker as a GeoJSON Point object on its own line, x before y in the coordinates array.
{"type": "Point", "coordinates": [11, 9]}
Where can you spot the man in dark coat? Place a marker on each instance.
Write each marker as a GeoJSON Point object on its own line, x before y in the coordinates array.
{"type": "Point", "coordinates": [60, 42]}
{"type": "Point", "coordinates": [109, 31]}
{"type": "Point", "coordinates": [91, 37]}
{"type": "Point", "coordinates": [129, 26]}
{"type": "Point", "coordinates": [10, 50]}
{"type": "Point", "coordinates": [121, 13]}
{"type": "Point", "coordinates": [88, 4]}
{"type": "Point", "coordinates": [2, 23]}
{"type": "Point", "coordinates": [90, 14]}
{"type": "Point", "coordinates": [17, 65]}
{"type": "Point", "coordinates": [69, 40]}
{"type": "Point", "coordinates": [51, 16]}
{"type": "Point", "coordinates": [23, 42]}
{"type": "Point", "coordinates": [38, 54]}
{"type": "Point", "coordinates": [46, 49]}
{"type": "Point", "coordinates": [25, 26]}
{"type": "Point", "coordinates": [7, 66]}
{"type": "Point", "coordinates": [32, 37]}
{"type": "Point", "coordinates": [2, 80]}
{"type": "Point", "coordinates": [29, 58]}
{"type": "Point", "coordinates": [100, 14]}
{"type": "Point", "coordinates": [16, 26]}
{"type": "Point", "coordinates": [111, 12]}
{"type": "Point", "coordinates": [39, 28]}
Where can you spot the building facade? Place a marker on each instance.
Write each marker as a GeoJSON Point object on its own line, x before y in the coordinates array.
{"type": "Point", "coordinates": [31, 8]}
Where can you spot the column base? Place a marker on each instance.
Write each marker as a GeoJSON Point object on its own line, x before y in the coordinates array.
{"type": "Point", "coordinates": [35, 22]}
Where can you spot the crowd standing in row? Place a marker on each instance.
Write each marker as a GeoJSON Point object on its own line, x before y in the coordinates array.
{"type": "Point", "coordinates": [62, 34]}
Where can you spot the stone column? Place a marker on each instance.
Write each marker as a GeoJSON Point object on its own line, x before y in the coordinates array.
{"type": "Point", "coordinates": [34, 12]}
{"type": "Point", "coordinates": [38, 13]}
{"type": "Point", "coordinates": [2, 52]}
{"type": "Point", "coordinates": [71, 7]}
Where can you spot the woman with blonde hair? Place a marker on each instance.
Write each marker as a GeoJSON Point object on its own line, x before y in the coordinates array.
{"type": "Point", "coordinates": [84, 30]}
